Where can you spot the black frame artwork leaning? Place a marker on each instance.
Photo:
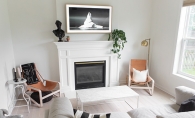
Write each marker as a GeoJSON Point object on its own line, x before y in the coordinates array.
{"type": "Point", "coordinates": [88, 19]}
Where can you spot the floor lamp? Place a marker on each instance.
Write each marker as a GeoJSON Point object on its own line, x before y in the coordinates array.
{"type": "Point", "coordinates": [146, 43]}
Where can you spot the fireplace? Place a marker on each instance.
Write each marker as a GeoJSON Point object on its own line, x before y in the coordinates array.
{"type": "Point", "coordinates": [73, 52]}
{"type": "Point", "coordinates": [90, 74]}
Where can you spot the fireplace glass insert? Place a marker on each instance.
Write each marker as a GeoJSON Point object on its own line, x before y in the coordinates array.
{"type": "Point", "coordinates": [89, 74]}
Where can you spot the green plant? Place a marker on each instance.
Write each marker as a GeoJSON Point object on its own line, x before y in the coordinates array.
{"type": "Point", "coordinates": [119, 38]}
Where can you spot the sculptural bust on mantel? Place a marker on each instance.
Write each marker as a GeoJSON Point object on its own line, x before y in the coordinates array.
{"type": "Point", "coordinates": [59, 32]}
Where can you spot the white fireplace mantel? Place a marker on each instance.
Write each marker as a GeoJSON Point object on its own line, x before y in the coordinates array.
{"type": "Point", "coordinates": [80, 51]}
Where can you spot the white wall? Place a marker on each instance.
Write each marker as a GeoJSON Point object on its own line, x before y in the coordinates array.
{"type": "Point", "coordinates": [6, 55]}
{"type": "Point", "coordinates": [165, 23]}
{"type": "Point", "coordinates": [32, 23]}
{"type": "Point", "coordinates": [131, 16]}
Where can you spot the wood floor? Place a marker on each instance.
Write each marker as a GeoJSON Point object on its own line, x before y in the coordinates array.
{"type": "Point", "coordinates": [159, 98]}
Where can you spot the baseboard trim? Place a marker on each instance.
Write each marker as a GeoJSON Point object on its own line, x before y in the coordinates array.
{"type": "Point", "coordinates": [163, 89]}
{"type": "Point", "coordinates": [122, 82]}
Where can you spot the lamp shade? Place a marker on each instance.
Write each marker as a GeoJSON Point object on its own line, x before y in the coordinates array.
{"type": "Point", "coordinates": [144, 43]}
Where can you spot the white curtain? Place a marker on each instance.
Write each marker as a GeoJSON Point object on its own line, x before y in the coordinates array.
{"type": "Point", "coordinates": [188, 2]}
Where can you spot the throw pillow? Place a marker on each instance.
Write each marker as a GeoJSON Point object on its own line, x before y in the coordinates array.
{"type": "Point", "coordinates": [139, 76]}
{"type": "Point", "coordinates": [81, 114]}
{"type": "Point", "coordinates": [188, 105]}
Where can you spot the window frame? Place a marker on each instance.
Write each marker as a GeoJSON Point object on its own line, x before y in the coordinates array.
{"type": "Point", "coordinates": [179, 70]}
{"type": "Point", "coordinates": [183, 40]}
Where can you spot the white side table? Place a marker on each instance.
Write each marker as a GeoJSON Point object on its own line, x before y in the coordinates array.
{"type": "Point", "coordinates": [19, 84]}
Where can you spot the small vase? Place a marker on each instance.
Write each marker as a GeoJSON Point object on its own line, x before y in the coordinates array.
{"type": "Point", "coordinates": [67, 38]}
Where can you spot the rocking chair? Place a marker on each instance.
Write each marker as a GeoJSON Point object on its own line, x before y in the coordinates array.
{"type": "Point", "coordinates": [36, 83]}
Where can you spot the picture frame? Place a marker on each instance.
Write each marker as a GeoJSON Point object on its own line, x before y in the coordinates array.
{"type": "Point", "coordinates": [88, 19]}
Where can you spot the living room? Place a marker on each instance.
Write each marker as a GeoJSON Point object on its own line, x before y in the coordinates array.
{"type": "Point", "coordinates": [26, 36]}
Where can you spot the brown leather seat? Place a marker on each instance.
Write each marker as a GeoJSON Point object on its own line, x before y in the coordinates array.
{"type": "Point", "coordinates": [48, 87]}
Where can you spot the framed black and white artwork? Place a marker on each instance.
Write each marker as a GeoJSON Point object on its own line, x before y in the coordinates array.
{"type": "Point", "coordinates": [88, 19]}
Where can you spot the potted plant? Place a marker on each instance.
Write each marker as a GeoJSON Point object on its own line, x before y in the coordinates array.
{"type": "Point", "coordinates": [119, 38]}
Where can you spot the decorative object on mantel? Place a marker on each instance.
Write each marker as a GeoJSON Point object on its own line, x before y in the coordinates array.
{"type": "Point", "coordinates": [59, 32]}
{"type": "Point", "coordinates": [68, 38]}
{"type": "Point", "coordinates": [146, 43]}
{"type": "Point", "coordinates": [15, 78]}
{"type": "Point", "coordinates": [88, 19]}
{"type": "Point", "coordinates": [119, 38]}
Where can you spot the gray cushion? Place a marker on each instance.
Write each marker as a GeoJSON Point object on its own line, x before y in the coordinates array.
{"type": "Point", "coordinates": [190, 114]}
{"type": "Point", "coordinates": [151, 112]}
{"type": "Point", "coordinates": [141, 113]}
{"type": "Point", "coordinates": [61, 108]}
{"type": "Point", "coordinates": [183, 93]}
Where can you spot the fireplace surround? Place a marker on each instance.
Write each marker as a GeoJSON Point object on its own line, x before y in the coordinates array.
{"type": "Point", "coordinates": [90, 74]}
{"type": "Point", "coordinates": [85, 51]}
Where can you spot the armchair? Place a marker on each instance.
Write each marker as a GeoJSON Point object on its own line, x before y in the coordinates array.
{"type": "Point", "coordinates": [35, 82]}
{"type": "Point", "coordinates": [140, 65]}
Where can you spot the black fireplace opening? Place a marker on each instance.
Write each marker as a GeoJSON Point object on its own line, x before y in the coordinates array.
{"type": "Point", "coordinates": [90, 74]}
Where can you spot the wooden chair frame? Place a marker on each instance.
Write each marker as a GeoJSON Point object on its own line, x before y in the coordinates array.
{"type": "Point", "coordinates": [148, 85]}
{"type": "Point", "coordinates": [31, 88]}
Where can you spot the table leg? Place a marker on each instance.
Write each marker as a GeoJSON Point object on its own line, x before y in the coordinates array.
{"type": "Point", "coordinates": [13, 97]}
{"type": "Point", "coordinates": [14, 93]}
{"type": "Point", "coordinates": [128, 103]}
{"type": "Point", "coordinates": [137, 101]}
{"type": "Point", "coordinates": [81, 106]}
{"type": "Point", "coordinates": [27, 101]}
{"type": "Point", "coordinates": [28, 98]}
{"type": "Point", "coordinates": [77, 97]}
{"type": "Point", "coordinates": [79, 101]}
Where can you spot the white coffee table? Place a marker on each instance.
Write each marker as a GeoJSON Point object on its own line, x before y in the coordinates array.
{"type": "Point", "coordinates": [104, 93]}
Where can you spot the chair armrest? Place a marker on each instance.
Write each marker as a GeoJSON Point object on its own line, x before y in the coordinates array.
{"type": "Point", "coordinates": [34, 88]}
{"type": "Point", "coordinates": [150, 78]}
{"type": "Point", "coordinates": [183, 93]}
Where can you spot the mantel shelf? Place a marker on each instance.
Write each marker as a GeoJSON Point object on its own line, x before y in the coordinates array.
{"type": "Point", "coordinates": [84, 44]}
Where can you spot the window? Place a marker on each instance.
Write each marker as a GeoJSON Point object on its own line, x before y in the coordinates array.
{"type": "Point", "coordinates": [186, 60]}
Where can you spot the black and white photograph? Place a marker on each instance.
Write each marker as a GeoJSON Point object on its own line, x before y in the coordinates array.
{"type": "Point", "coordinates": [88, 19]}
